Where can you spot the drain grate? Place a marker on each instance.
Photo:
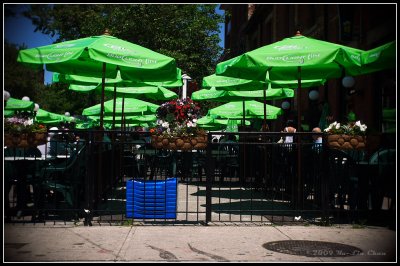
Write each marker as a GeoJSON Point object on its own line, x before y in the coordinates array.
{"type": "Point", "coordinates": [312, 248]}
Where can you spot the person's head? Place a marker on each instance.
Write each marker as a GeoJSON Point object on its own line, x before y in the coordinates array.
{"type": "Point", "coordinates": [316, 130]}
{"type": "Point", "coordinates": [290, 123]}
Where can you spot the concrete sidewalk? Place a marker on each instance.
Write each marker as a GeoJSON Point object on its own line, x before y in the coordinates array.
{"type": "Point", "coordinates": [189, 243]}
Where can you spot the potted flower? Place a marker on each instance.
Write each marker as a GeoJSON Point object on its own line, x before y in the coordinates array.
{"type": "Point", "coordinates": [177, 126]}
{"type": "Point", "coordinates": [22, 132]}
{"type": "Point", "coordinates": [346, 136]}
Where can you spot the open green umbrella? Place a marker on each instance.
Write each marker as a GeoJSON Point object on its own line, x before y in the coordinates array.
{"type": "Point", "coordinates": [379, 58]}
{"type": "Point", "coordinates": [131, 107]}
{"type": "Point", "coordinates": [245, 89]}
{"type": "Point", "coordinates": [219, 95]}
{"type": "Point", "coordinates": [254, 109]}
{"type": "Point", "coordinates": [50, 118]}
{"type": "Point", "coordinates": [231, 83]}
{"type": "Point", "coordinates": [84, 80]}
{"type": "Point", "coordinates": [211, 122]}
{"type": "Point", "coordinates": [149, 92]}
{"type": "Point", "coordinates": [101, 56]}
{"type": "Point", "coordinates": [297, 57]}
{"type": "Point", "coordinates": [122, 88]}
{"type": "Point", "coordinates": [18, 105]}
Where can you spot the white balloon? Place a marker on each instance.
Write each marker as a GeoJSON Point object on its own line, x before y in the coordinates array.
{"type": "Point", "coordinates": [348, 82]}
{"type": "Point", "coordinates": [313, 95]}
{"type": "Point", "coordinates": [26, 98]}
{"type": "Point", "coordinates": [6, 95]}
{"type": "Point", "coordinates": [36, 107]}
{"type": "Point", "coordinates": [285, 105]}
{"type": "Point", "coordinates": [67, 114]}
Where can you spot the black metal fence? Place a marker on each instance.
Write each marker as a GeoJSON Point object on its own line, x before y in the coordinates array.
{"type": "Point", "coordinates": [118, 177]}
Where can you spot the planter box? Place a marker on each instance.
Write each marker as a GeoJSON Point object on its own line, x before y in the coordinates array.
{"type": "Point", "coordinates": [151, 199]}
{"type": "Point", "coordinates": [179, 143]}
{"type": "Point", "coordinates": [24, 140]}
{"type": "Point", "coordinates": [346, 142]}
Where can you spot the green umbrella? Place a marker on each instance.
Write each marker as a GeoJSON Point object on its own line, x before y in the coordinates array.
{"type": "Point", "coordinates": [212, 123]}
{"type": "Point", "coordinates": [379, 58]}
{"type": "Point", "coordinates": [122, 88]}
{"type": "Point", "coordinates": [219, 95]}
{"type": "Point", "coordinates": [129, 119]}
{"type": "Point", "coordinates": [317, 59]}
{"type": "Point", "coordinates": [50, 118]}
{"type": "Point", "coordinates": [131, 107]}
{"type": "Point", "coordinates": [149, 91]}
{"type": "Point", "coordinates": [18, 105]}
{"type": "Point", "coordinates": [101, 56]}
{"type": "Point", "coordinates": [84, 80]}
{"type": "Point", "coordinates": [249, 89]}
{"type": "Point", "coordinates": [297, 57]}
{"type": "Point", "coordinates": [254, 109]}
{"type": "Point", "coordinates": [231, 83]}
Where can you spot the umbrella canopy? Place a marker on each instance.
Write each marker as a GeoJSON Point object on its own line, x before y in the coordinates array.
{"type": "Point", "coordinates": [131, 107]}
{"type": "Point", "coordinates": [149, 92]}
{"type": "Point", "coordinates": [249, 89]}
{"type": "Point", "coordinates": [231, 83]}
{"type": "Point", "coordinates": [253, 109]}
{"type": "Point", "coordinates": [101, 56]}
{"type": "Point", "coordinates": [213, 123]}
{"type": "Point", "coordinates": [86, 56]}
{"type": "Point", "coordinates": [50, 118]}
{"type": "Point", "coordinates": [379, 58]}
{"type": "Point", "coordinates": [225, 96]}
{"type": "Point", "coordinates": [297, 57]}
{"type": "Point", "coordinates": [128, 119]}
{"type": "Point", "coordinates": [84, 80]}
{"type": "Point", "coordinates": [18, 105]}
{"type": "Point", "coordinates": [317, 59]}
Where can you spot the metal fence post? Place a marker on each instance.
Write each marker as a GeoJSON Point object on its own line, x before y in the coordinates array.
{"type": "Point", "coordinates": [209, 176]}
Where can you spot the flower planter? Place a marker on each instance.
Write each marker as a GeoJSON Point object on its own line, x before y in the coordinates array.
{"type": "Point", "coordinates": [179, 143]}
{"type": "Point", "coordinates": [346, 142]}
{"type": "Point", "coordinates": [24, 140]}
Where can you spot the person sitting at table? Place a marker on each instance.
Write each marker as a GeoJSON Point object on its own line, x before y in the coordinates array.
{"type": "Point", "coordinates": [317, 140]}
{"type": "Point", "coordinates": [290, 129]}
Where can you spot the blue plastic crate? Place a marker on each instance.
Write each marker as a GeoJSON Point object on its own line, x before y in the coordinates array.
{"type": "Point", "coordinates": [151, 199]}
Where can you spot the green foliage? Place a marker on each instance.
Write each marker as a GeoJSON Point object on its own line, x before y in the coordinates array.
{"type": "Point", "coordinates": [20, 80]}
{"type": "Point", "coordinates": [188, 33]}
{"type": "Point", "coordinates": [57, 98]}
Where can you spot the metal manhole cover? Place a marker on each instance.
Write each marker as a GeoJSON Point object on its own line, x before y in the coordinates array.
{"type": "Point", "coordinates": [312, 248]}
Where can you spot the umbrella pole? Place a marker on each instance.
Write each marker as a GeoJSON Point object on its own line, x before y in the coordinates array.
{"type": "Point", "coordinates": [244, 114]}
{"type": "Point", "coordinates": [265, 108]}
{"type": "Point", "coordinates": [103, 81]}
{"type": "Point", "coordinates": [115, 101]}
{"type": "Point", "coordinates": [299, 177]}
{"type": "Point", "coordinates": [123, 116]}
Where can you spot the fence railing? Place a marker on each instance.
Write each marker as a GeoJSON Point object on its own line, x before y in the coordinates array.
{"type": "Point", "coordinates": [239, 177]}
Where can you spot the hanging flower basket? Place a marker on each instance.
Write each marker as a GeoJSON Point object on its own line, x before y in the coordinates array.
{"type": "Point", "coordinates": [184, 143]}
{"type": "Point", "coordinates": [24, 140]}
{"type": "Point", "coordinates": [346, 142]}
